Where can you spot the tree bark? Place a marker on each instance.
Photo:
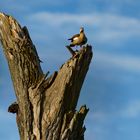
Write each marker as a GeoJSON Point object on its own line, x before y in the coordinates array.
{"type": "Point", "coordinates": [45, 106]}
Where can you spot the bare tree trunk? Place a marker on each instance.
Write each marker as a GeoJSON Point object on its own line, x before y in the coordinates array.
{"type": "Point", "coordinates": [45, 107]}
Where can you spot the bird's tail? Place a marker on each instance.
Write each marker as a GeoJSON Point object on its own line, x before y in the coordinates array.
{"type": "Point", "coordinates": [69, 38]}
{"type": "Point", "coordinates": [71, 45]}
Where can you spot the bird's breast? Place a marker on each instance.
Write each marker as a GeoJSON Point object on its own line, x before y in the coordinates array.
{"type": "Point", "coordinates": [75, 38]}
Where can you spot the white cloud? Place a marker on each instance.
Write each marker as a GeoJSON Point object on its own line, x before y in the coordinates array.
{"type": "Point", "coordinates": [103, 26]}
{"type": "Point", "coordinates": [105, 19]}
{"type": "Point", "coordinates": [132, 110]}
{"type": "Point", "coordinates": [125, 62]}
{"type": "Point", "coordinates": [98, 116]}
{"type": "Point", "coordinates": [59, 19]}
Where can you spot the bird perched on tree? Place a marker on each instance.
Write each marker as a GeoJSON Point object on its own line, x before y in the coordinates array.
{"type": "Point", "coordinates": [78, 39]}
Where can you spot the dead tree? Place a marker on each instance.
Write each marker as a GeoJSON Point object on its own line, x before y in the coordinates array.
{"type": "Point", "coordinates": [45, 106]}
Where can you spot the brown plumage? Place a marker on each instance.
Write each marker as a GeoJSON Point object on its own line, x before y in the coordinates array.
{"type": "Point", "coordinates": [78, 39]}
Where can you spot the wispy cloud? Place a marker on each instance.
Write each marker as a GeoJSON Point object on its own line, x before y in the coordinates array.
{"type": "Point", "coordinates": [124, 62]}
{"type": "Point", "coordinates": [110, 20]}
{"type": "Point", "coordinates": [58, 19]}
{"type": "Point", "coordinates": [103, 123]}
{"type": "Point", "coordinates": [104, 27]}
{"type": "Point", "coordinates": [131, 110]}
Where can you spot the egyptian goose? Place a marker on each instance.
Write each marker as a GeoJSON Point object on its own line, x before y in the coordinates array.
{"type": "Point", "coordinates": [78, 39]}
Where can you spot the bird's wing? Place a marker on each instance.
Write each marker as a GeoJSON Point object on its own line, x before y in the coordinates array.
{"type": "Point", "coordinates": [75, 36]}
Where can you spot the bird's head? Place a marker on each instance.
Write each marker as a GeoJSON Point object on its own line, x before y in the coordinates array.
{"type": "Point", "coordinates": [81, 29]}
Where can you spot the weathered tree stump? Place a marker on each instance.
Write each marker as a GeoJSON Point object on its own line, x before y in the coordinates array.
{"type": "Point", "coordinates": [45, 106]}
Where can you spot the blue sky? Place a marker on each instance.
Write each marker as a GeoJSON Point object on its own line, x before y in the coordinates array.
{"type": "Point", "coordinates": [111, 89]}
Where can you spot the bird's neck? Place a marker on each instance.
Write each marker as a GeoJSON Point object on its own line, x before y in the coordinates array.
{"type": "Point", "coordinates": [82, 34]}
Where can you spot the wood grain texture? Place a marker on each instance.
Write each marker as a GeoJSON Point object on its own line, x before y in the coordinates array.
{"type": "Point", "coordinates": [45, 106]}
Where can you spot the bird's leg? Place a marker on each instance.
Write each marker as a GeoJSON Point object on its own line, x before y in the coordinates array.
{"type": "Point", "coordinates": [74, 53]}
{"type": "Point", "coordinates": [71, 50]}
